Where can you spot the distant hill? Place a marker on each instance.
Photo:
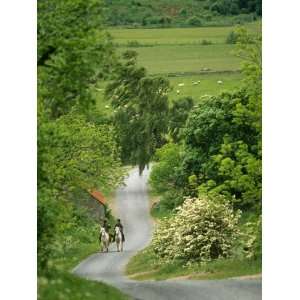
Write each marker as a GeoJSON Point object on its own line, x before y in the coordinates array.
{"type": "Point", "coordinates": [180, 13]}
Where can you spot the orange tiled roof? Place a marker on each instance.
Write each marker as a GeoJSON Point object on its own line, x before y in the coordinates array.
{"type": "Point", "coordinates": [98, 196]}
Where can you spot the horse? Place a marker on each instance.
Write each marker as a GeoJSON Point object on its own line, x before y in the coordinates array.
{"type": "Point", "coordinates": [104, 239]}
{"type": "Point", "coordinates": [118, 239]}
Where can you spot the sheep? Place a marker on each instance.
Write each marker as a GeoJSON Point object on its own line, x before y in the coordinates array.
{"type": "Point", "coordinates": [220, 81]}
{"type": "Point", "coordinates": [178, 92]}
{"type": "Point", "coordinates": [106, 106]}
{"type": "Point", "coordinates": [181, 84]}
{"type": "Point", "coordinates": [195, 83]}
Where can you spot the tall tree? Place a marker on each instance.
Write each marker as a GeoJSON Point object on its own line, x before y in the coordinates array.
{"type": "Point", "coordinates": [73, 53]}
{"type": "Point", "coordinates": [141, 110]}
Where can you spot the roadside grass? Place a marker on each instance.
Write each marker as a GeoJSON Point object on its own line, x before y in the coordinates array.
{"type": "Point", "coordinates": [63, 285]}
{"type": "Point", "coordinates": [218, 269]}
{"type": "Point", "coordinates": [177, 36]}
{"type": "Point", "coordinates": [237, 266]}
{"type": "Point", "coordinates": [60, 283]}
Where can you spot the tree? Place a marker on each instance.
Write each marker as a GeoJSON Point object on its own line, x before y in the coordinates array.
{"type": "Point", "coordinates": [73, 155]}
{"type": "Point", "coordinates": [163, 174]}
{"type": "Point", "coordinates": [178, 115]}
{"type": "Point", "coordinates": [223, 136]}
{"type": "Point", "coordinates": [73, 53]}
{"type": "Point", "coordinates": [141, 110]}
{"type": "Point", "coordinates": [77, 147]}
{"type": "Point", "coordinates": [194, 21]}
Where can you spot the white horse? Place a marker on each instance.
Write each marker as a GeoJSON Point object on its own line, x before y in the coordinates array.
{"type": "Point", "coordinates": [104, 239]}
{"type": "Point", "coordinates": [119, 239]}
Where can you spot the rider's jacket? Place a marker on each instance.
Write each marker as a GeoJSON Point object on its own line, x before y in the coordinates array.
{"type": "Point", "coordinates": [120, 226]}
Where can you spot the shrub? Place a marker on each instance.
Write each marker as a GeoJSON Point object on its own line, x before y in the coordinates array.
{"type": "Point", "coordinates": [232, 37]}
{"type": "Point", "coordinates": [169, 201]}
{"type": "Point", "coordinates": [206, 42]}
{"type": "Point", "coordinates": [183, 12]}
{"type": "Point", "coordinates": [252, 239]}
{"type": "Point", "coordinates": [203, 229]}
{"type": "Point", "coordinates": [133, 44]}
{"type": "Point", "coordinates": [163, 174]}
{"type": "Point", "coordinates": [194, 21]}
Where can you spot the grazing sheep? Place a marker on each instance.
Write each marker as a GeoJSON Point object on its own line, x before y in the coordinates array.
{"type": "Point", "coordinates": [99, 90]}
{"type": "Point", "coordinates": [181, 84]}
{"type": "Point", "coordinates": [106, 106]}
{"type": "Point", "coordinates": [195, 83]}
{"type": "Point", "coordinates": [177, 92]}
{"type": "Point", "coordinates": [220, 81]}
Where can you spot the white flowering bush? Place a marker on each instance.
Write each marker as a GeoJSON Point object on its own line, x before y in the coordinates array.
{"type": "Point", "coordinates": [203, 229]}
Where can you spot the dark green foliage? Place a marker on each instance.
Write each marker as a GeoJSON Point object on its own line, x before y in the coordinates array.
{"type": "Point", "coordinates": [141, 110]}
{"type": "Point", "coordinates": [233, 7]}
{"type": "Point", "coordinates": [177, 116]}
{"type": "Point", "coordinates": [72, 55]}
{"type": "Point", "coordinates": [222, 140]}
{"type": "Point", "coordinates": [195, 21]}
{"type": "Point", "coordinates": [206, 42]}
{"type": "Point", "coordinates": [232, 37]}
{"type": "Point", "coordinates": [223, 136]}
{"type": "Point", "coordinates": [165, 178]}
{"type": "Point", "coordinates": [164, 172]}
{"type": "Point", "coordinates": [178, 13]}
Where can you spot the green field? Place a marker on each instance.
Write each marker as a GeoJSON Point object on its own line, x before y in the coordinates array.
{"type": "Point", "coordinates": [187, 59]}
{"type": "Point", "coordinates": [167, 36]}
{"type": "Point", "coordinates": [178, 54]}
{"type": "Point", "coordinates": [208, 85]}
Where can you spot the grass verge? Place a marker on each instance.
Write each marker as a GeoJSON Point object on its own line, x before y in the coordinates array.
{"type": "Point", "coordinates": [60, 284]}
{"type": "Point", "coordinates": [219, 269]}
{"type": "Point", "coordinates": [63, 285]}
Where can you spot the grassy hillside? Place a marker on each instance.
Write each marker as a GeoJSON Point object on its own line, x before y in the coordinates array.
{"type": "Point", "coordinates": [187, 59]}
{"type": "Point", "coordinates": [186, 55]}
{"type": "Point", "coordinates": [180, 13]}
{"type": "Point", "coordinates": [177, 36]}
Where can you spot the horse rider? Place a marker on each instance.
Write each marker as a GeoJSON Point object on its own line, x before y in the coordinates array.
{"type": "Point", "coordinates": [106, 226]}
{"type": "Point", "coordinates": [118, 224]}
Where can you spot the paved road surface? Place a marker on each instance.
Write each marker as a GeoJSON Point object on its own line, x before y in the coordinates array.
{"type": "Point", "coordinates": [133, 209]}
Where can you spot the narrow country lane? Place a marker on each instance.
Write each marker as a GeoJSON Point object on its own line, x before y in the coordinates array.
{"type": "Point", "coordinates": [133, 209]}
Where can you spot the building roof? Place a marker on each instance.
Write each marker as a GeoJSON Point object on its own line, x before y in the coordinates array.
{"type": "Point", "coordinates": [98, 196]}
